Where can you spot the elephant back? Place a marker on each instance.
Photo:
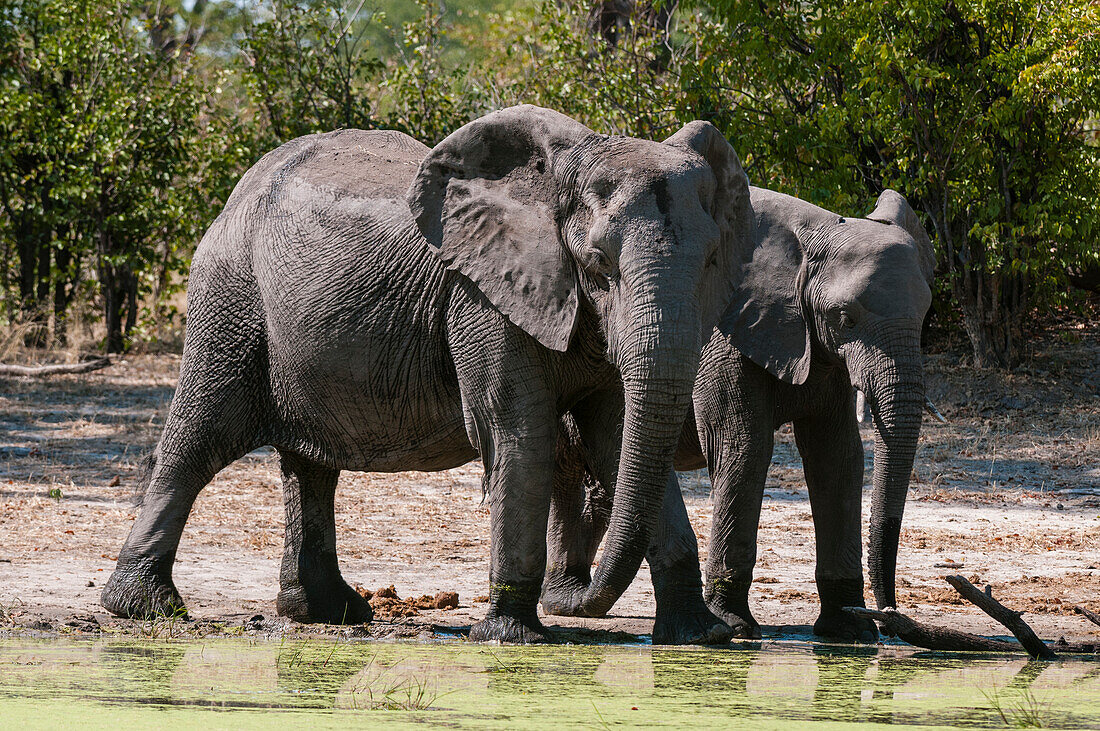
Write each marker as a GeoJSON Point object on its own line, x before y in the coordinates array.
{"type": "Point", "coordinates": [347, 163]}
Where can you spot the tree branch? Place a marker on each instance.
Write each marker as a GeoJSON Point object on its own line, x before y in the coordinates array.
{"type": "Point", "coordinates": [929, 636]}
{"type": "Point", "coordinates": [1009, 618]}
{"type": "Point", "coordinates": [53, 369]}
{"type": "Point", "coordinates": [1088, 614]}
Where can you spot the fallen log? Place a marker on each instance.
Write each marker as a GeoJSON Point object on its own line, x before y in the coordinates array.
{"type": "Point", "coordinates": [54, 369]}
{"type": "Point", "coordinates": [1088, 614]}
{"type": "Point", "coordinates": [929, 636]}
{"type": "Point", "coordinates": [1012, 620]}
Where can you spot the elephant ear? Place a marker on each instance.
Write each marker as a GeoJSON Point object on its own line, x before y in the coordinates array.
{"type": "Point", "coordinates": [485, 200]}
{"type": "Point", "coordinates": [730, 209]}
{"type": "Point", "coordinates": [765, 321]}
{"type": "Point", "coordinates": [891, 207]}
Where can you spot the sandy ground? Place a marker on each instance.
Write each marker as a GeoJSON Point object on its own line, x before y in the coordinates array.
{"type": "Point", "coordinates": [1009, 489]}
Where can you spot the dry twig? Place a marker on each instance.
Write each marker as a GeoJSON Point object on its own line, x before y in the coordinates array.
{"type": "Point", "coordinates": [54, 368]}
{"type": "Point", "coordinates": [1088, 614]}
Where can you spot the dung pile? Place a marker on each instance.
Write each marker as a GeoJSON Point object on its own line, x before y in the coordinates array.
{"type": "Point", "coordinates": [388, 605]}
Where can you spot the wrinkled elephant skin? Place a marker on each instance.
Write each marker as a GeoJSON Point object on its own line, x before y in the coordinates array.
{"type": "Point", "coordinates": [827, 306]}
{"type": "Point", "coordinates": [366, 303]}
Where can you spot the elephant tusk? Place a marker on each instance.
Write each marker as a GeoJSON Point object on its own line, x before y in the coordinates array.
{"type": "Point", "coordinates": [931, 409]}
{"type": "Point", "coordinates": [861, 406]}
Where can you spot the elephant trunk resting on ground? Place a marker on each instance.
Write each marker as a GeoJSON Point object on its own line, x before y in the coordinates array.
{"type": "Point", "coordinates": [534, 267]}
{"type": "Point", "coordinates": [826, 305]}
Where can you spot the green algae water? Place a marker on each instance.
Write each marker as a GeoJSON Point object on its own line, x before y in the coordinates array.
{"type": "Point", "coordinates": [228, 683]}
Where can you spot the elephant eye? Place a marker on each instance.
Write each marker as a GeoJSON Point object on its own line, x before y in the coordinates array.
{"type": "Point", "coordinates": [602, 191]}
{"type": "Point", "coordinates": [846, 320]}
{"type": "Point", "coordinates": [598, 266]}
{"type": "Point", "coordinates": [601, 262]}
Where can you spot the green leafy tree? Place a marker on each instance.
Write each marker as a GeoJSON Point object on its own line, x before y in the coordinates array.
{"type": "Point", "coordinates": [427, 93]}
{"type": "Point", "coordinates": [309, 67]}
{"type": "Point", "coordinates": [975, 109]}
{"type": "Point", "coordinates": [312, 67]}
{"type": "Point", "coordinates": [612, 68]}
{"type": "Point", "coordinates": [105, 136]}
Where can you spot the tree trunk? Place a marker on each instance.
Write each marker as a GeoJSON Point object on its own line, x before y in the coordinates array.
{"type": "Point", "coordinates": [113, 290]}
{"type": "Point", "coordinates": [112, 311]}
{"type": "Point", "coordinates": [62, 294]}
{"type": "Point", "coordinates": [131, 284]}
{"type": "Point", "coordinates": [30, 247]}
{"type": "Point", "coordinates": [992, 308]}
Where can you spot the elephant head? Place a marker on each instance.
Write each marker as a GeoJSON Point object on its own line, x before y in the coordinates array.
{"type": "Point", "coordinates": [555, 223]}
{"type": "Point", "coordinates": [853, 292]}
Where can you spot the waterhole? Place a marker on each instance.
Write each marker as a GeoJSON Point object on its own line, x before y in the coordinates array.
{"type": "Point", "coordinates": [227, 683]}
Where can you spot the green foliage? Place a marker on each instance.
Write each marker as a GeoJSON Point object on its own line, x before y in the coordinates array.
{"type": "Point", "coordinates": [309, 67]}
{"type": "Point", "coordinates": [427, 98]}
{"type": "Point", "coordinates": [103, 138]}
{"type": "Point", "coordinates": [123, 127]}
{"type": "Point", "coordinates": [975, 110]}
{"type": "Point", "coordinates": [552, 57]}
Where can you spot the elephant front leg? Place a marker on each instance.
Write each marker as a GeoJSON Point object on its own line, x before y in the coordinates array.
{"type": "Point", "coordinates": [311, 588]}
{"type": "Point", "coordinates": [735, 408]}
{"type": "Point", "coordinates": [832, 458]}
{"type": "Point", "coordinates": [683, 617]}
{"type": "Point", "coordinates": [517, 481]}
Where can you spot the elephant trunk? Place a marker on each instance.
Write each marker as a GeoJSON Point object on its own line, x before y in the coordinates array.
{"type": "Point", "coordinates": [658, 368]}
{"type": "Point", "coordinates": [893, 383]}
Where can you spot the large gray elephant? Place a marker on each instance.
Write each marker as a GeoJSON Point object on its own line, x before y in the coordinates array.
{"type": "Point", "coordinates": [533, 267]}
{"type": "Point", "coordinates": [828, 305]}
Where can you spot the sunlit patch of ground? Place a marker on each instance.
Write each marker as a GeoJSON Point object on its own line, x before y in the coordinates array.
{"type": "Point", "coordinates": [1007, 492]}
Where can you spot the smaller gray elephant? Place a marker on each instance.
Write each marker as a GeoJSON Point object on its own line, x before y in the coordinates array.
{"type": "Point", "coordinates": [828, 307]}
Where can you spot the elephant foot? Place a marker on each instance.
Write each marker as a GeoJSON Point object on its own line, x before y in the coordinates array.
{"type": "Point", "coordinates": [142, 589]}
{"type": "Point", "coordinates": [835, 624]}
{"type": "Point", "coordinates": [564, 589]}
{"type": "Point", "coordinates": [740, 621]}
{"type": "Point", "coordinates": [510, 630]}
{"type": "Point", "coordinates": [328, 602]}
{"type": "Point", "coordinates": [694, 627]}
{"type": "Point", "coordinates": [840, 626]}
{"type": "Point", "coordinates": [729, 600]}
{"type": "Point", "coordinates": [682, 615]}
{"type": "Point", "coordinates": [512, 617]}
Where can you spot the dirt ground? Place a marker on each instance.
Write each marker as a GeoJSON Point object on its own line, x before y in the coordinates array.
{"type": "Point", "coordinates": [1007, 493]}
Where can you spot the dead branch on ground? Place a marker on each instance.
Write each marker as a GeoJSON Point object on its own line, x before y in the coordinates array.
{"type": "Point", "coordinates": [1013, 621]}
{"type": "Point", "coordinates": [1088, 614]}
{"type": "Point", "coordinates": [929, 636]}
{"type": "Point", "coordinates": [932, 637]}
{"type": "Point", "coordinates": [53, 369]}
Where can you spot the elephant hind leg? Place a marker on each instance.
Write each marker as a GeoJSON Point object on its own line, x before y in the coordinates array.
{"type": "Point", "coordinates": [311, 588]}
{"type": "Point", "coordinates": [141, 585]}
{"type": "Point", "coordinates": [214, 420]}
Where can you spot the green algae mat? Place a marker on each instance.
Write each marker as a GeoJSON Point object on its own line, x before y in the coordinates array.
{"type": "Point", "coordinates": [228, 683]}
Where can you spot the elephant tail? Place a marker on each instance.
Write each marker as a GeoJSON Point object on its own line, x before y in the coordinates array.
{"type": "Point", "coordinates": [145, 466]}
